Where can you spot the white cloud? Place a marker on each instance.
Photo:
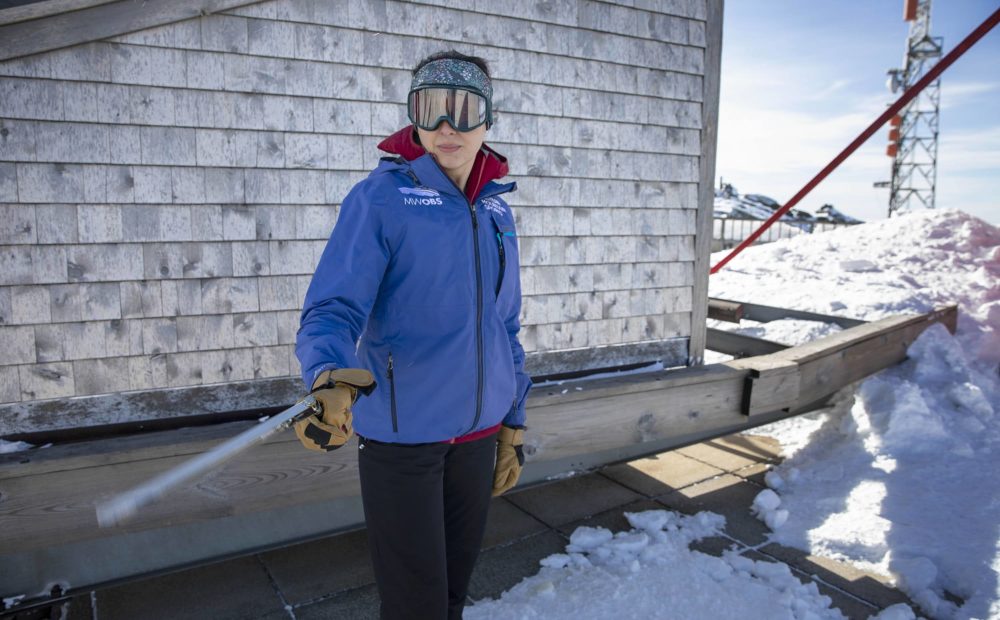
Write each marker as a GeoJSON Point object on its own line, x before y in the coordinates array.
{"type": "Point", "coordinates": [971, 151]}
{"type": "Point", "coordinates": [834, 87]}
{"type": "Point", "coordinates": [954, 94]}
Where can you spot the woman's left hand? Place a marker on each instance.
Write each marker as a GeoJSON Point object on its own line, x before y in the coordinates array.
{"type": "Point", "coordinates": [510, 459]}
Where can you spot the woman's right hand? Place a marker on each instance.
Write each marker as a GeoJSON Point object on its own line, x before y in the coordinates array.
{"type": "Point", "coordinates": [335, 391]}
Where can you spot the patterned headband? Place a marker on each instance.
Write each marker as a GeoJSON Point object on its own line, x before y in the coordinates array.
{"type": "Point", "coordinates": [454, 73]}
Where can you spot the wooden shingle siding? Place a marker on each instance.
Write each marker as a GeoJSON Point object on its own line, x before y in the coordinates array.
{"type": "Point", "coordinates": [165, 194]}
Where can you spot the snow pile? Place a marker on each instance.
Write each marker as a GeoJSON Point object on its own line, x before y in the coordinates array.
{"type": "Point", "coordinates": [650, 572]}
{"type": "Point", "coordinates": [899, 476]}
{"type": "Point", "coordinates": [912, 263]}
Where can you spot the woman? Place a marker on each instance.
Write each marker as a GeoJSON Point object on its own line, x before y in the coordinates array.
{"type": "Point", "coordinates": [414, 307]}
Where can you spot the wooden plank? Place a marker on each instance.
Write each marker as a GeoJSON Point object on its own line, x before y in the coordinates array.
{"type": "Point", "coordinates": [765, 314]}
{"type": "Point", "coordinates": [571, 427]}
{"type": "Point", "coordinates": [100, 21]}
{"type": "Point", "coordinates": [102, 452]}
{"type": "Point", "coordinates": [199, 401]}
{"type": "Point", "coordinates": [706, 180]}
{"type": "Point", "coordinates": [46, 504]}
{"type": "Point", "coordinates": [672, 352]}
{"type": "Point", "coordinates": [740, 345]}
{"type": "Point", "coordinates": [59, 507]}
{"type": "Point", "coordinates": [721, 310]}
{"type": "Point", "coordinates": [606, 387]}
{"type": "Point", "coordinates": [876, 331]}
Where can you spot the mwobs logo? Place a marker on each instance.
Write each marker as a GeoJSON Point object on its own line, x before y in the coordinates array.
{"type": "Point", "coordinates": [420, 196]}
{"type": "Point", "coordinates": [424, 192]}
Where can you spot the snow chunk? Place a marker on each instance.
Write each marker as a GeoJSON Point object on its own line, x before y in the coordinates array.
{"type": "Point", "coordinates": [8, 447]}
{"type": "Point", "coordinates": [11, 601]}
{"type": "Point", "coordinates": [585, 538]}
{"type": "Point", "coordinates": [915, 574]}
{"type": "Point", "coordinates": [766, 500]}
{"type": "Point", "coordinates": [556, 560]}
{"type": "Point", "coordinates": [650, 520]}
{"type": "Point", "coordinates": [765, 506]}
{"type": "Point", "coordinates": [774, 480]}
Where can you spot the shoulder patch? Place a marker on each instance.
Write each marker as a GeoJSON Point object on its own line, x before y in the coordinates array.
{"type": "Point", "coordinates": [494, 205]}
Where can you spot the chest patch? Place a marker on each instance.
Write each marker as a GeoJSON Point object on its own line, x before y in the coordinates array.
{"type": "Point", "coordinates": [424, 196]}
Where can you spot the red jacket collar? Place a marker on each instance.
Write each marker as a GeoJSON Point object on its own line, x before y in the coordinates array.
{"type": "Point", "coordinates": [489, 165]}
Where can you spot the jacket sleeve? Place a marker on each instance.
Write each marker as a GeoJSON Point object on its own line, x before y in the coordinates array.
{"type": "Point", "coordinates": [516, 417]}
{"type": "Point", "coordinates": [343, 289]}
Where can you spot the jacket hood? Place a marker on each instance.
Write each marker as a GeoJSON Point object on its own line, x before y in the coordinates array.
{"type": "Point", "coordinates": [489, 165]}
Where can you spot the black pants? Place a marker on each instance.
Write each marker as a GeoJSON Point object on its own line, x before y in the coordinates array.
{"type": "Point", "coordinates": [425, 510]}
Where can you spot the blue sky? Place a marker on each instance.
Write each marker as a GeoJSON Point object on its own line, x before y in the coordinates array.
{"type": "Point", "coordinates": [800, 80]}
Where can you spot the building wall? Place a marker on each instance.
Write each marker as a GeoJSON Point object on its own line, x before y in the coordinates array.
{"type": "Point", "coordinates": [165, 194]}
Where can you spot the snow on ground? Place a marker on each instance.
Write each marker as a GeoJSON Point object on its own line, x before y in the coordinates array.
{"type": "Point", "coordinates": [650, 572]}
{"type": "Point", "coordinates": [899, 477]}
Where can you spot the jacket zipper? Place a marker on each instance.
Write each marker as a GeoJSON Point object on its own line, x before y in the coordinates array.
{"type": "Point", "coordinates": [479, 319]}
{"type": "Point", "coordinates": [479, 315]}
{"type": "Point", "coordinates": [392, 397]}
{"type": "Point", "coordinates": [503, 263]}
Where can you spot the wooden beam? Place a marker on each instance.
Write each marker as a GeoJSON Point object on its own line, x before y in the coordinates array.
{"type": "Point", "coordinates": [872, 336]}
{"type": "Point", "coordinates": [856, 353]}
{"type": "Point", "coordinates": [47, 497]}
{"type": "Point", "coordinates": [706, 179]}
{"type": "Point", "coordinates": [741, 345]}
{"type": "Point", "coordinates": [766, 314]}
{"type": "Point", "coordinates": [99, 20]}
{"type": "Point", "coordinates": [722, 310]}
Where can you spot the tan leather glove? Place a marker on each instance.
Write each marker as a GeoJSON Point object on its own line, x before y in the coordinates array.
{"type": "Point", "coordinates": [510, 459]}
{"type": "Point", "coordinates": [335, 390]}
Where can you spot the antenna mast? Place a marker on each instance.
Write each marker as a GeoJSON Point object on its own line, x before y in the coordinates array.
{"type": "Point", "coordinates": [913, 135]}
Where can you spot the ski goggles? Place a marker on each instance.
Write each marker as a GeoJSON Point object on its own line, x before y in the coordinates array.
{"type": "Point", "coordinates": [462, 109]}
{"type": "Point", "coordinates": [452, 90]}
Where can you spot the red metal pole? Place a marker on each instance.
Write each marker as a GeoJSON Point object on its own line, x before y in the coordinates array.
{"type": "Point", "coordinates": [912, 92]}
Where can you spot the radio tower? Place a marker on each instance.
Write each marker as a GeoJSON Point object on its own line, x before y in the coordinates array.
{"type": "Point", "coordinates": [913, 135]}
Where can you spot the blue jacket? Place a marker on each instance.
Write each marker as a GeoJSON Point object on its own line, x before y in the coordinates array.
{"type": "Point", "coordinates": [422, 289]}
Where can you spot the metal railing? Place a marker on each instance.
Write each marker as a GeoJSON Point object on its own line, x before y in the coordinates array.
{"type": "Point", "coordinates": [728, 232]}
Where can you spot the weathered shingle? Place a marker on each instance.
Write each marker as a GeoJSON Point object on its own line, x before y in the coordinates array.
{"type": "Point", "coordinates": [165, 195]}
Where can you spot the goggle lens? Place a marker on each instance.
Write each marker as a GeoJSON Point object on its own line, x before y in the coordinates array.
{"type": "Point", "coordinates": [464, 110]}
